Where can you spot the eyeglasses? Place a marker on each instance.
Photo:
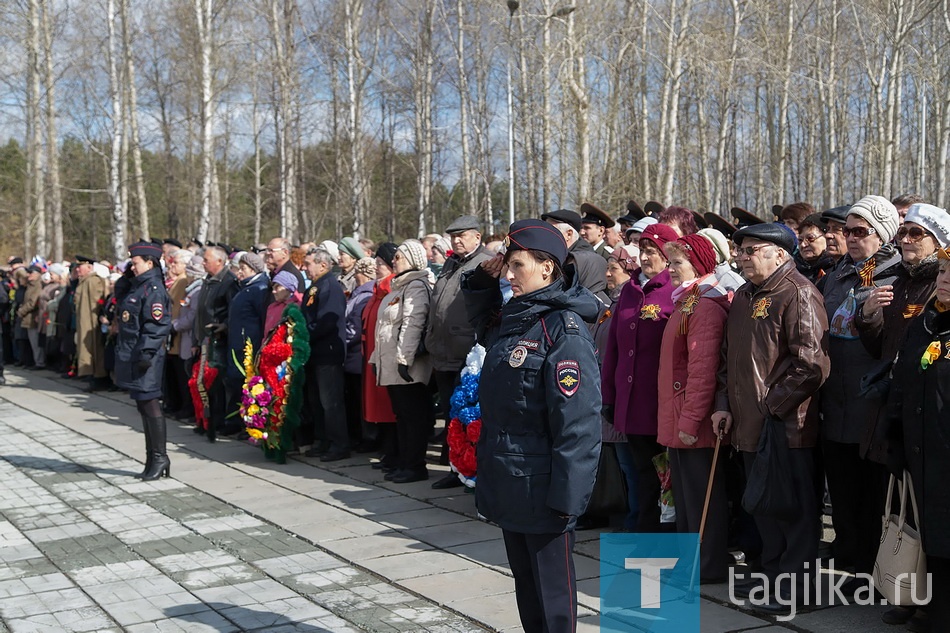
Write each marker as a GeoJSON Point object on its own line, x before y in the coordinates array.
{"type": "Point", "coordinates": [749, 251]}
{"type": "Point", "coordinates": [914, 233]}
{"type": "Point", "coordinates": [859, 232]}
{"type": "Point", "coordinates": [808, 239]}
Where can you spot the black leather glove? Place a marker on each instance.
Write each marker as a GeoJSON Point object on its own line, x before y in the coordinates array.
{"type": "Point", "coordinates": [607, 411]}
{"type": "Point", "coordinates": [216, 328]}
{"type": "Point", "coordinates": [404, 373]}
{"type": "Point", "coordinates": [143, 364]}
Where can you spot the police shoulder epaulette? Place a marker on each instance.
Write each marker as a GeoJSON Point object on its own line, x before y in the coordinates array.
{"type": "Point", "coordinates": [571, 321]}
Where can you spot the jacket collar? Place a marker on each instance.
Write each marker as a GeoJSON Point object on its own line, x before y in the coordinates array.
{"type": "Point", "coordinates": [150, 275]}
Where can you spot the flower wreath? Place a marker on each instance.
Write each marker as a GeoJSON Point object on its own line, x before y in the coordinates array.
{"type": "Point", "coordinates": [202, 377]}
{"type": "Point", "coordinates": [272, 394]}
{"type": "Point", "coordinates": [465, 424]}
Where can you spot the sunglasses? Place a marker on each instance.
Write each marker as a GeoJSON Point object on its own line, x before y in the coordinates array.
{"type": "Point", "coordinates": [749, 251]}
{"type": "Point", "coordinates": [859, 232]}
{"type": "Point", "coordinates": [914, 233]}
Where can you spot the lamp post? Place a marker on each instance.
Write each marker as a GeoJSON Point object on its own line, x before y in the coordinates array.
{"type": "Point", "coordinates": [513, 6]}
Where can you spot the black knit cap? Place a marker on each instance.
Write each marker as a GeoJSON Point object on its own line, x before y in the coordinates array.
{"type": "Point", "coordinates": [537, 235]}
{"type": "Point", "coordinates": [145, 249]}
{"type": "Point", "coordinates": [386, 251]}
{"type": "Point", "coordinates": [774, 232]}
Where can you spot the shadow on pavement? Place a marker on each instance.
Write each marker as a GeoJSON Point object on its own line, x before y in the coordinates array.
{"type": "Point", "coordinates": [228, 618]}
{"type": "Point", "coordinates": [59, 466]}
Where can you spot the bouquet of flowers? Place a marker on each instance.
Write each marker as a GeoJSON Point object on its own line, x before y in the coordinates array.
{"type": "Point", "coordinates": [465, 424]}
{"type": "Point", "coordinates": [272, 394]}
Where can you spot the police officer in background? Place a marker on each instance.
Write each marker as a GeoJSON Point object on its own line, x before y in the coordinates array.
{"type": "Point", "coordinates": [540, 438]}
{"type": "Point", "coordinates": [145, 321]}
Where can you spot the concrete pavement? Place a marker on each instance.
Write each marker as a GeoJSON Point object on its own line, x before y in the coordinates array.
{"type": "Point", "coordinates": [235, 543]}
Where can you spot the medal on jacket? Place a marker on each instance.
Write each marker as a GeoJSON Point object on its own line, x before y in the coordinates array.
{"type": "Point", "coordinates": [761, 308]}
{"type": "Point", "coordinates": [568, 376]}
{"type": "Point", "coordinates": [912, 310]}
{"type": "Point", "coordinates": [311, 295]}
{"type": "Point", "coordinates": [931, 354]}
{"type": "Point", "coordinates": [125, 316]}
{"type": "Point", "coordinates": [650, 311]}
{"type": "Point", "coordinates": [518, 354]}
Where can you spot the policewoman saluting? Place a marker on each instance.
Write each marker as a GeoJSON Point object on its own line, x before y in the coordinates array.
{"type": "Point", "coordinates": [540, 403]}
{"type": "Point", "coordinates": [145, 321]}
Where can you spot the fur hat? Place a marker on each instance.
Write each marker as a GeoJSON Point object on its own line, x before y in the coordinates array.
{"type": "Point", "coordinates": [366, 266]}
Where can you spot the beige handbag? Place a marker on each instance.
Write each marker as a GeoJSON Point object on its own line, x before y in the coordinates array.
{"type": "Point", "coordinates": [900, 570]}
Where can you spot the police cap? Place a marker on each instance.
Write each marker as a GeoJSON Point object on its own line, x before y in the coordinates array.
{"type": "Point", "coordinates": [537, 235]}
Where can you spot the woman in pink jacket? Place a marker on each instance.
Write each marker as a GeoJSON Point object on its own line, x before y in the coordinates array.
{"type": "Point", "coordinates": [689, 360]}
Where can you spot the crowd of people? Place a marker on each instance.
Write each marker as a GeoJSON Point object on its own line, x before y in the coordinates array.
{"type": "Point", "coordinates": [658, 339]}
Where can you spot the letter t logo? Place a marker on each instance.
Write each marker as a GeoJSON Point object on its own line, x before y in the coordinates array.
{"type": "Point", "coordinates": [650, 570]}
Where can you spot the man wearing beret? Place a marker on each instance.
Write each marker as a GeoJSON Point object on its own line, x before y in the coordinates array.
{"type": "Point", "coordinates": [591, 267]}
{"type": "Point", "coordinates": [776, 350]}
{"type": "Point", "coordinates": [449, 336]}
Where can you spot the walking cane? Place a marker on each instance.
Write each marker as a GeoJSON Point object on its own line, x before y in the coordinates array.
{"type": "Point", "coordinates": [691, 590]}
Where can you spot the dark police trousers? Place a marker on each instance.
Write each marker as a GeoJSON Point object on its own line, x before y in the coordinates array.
{"type": "Point", "coordinates": [545, 585]}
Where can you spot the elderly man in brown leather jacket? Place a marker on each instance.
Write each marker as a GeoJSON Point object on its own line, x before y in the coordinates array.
{"type": "Point", "coordinates": [776, 358]}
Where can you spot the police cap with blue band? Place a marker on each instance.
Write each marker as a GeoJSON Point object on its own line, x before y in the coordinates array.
{"type": "Point", "coordinates": [537, 235]}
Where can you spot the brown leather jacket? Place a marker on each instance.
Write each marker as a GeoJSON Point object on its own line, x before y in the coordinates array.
{"type": "Point", "coordinates": [776, 358]}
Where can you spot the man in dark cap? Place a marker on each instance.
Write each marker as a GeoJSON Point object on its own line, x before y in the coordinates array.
{"type": "Point", "coordinates": [721, 224]}
{"type": "Point", "coordinates": [653, 209]}
{"type": "Point", "coordinates": [591, 267]}
{"type": "Point", "coordinates": [744, 218]}
{"type": "Point", "coordinates": [449, 337]}
{"type": "Point", "coordinates": [594, 227]}
{"type": "Point", "coordinates": [835, 243]}
{"type": "Point", "coordinates": [776, 349]}
{"type": "Point", "coordinates": [634, 213]}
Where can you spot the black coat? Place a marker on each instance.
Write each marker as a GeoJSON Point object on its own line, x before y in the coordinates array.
{"type": "Point", "coordinates": [591, 269]}
{"type": "Point", "coordinates": [540, 440]}
{"type": "Point", "coordinates": [920, 424]}
{"type": "Point", "coordinates": [214, 302]}
{"type": "Point", "coordinates": [246, 318]}
{"type": "Point", "coordinates": [324, 306]}
{"type": "Point", "coordinates": [145, 322]}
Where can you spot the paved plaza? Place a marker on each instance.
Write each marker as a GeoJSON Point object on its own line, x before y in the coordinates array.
{"type": "Point", "coordinates": [235, 543]}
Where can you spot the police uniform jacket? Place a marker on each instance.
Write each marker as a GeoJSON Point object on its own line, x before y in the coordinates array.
{"type": "Point", "coordinates": [540, 438]}
{"type": "Point", "coordinates": [145, 321]}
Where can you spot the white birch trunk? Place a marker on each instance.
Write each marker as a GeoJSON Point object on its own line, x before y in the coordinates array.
{"type": "Point", "coordinates": [132, 96]}
{"type": "Point", "coordinates": [203, 15]}
{"type": "Point", "coordinates": [119, 215]}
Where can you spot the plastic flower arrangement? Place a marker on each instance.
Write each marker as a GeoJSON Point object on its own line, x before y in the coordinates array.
{"type": "Point", "coordinates": [465, 425]}
{"type": "Point", "coordinates": [272, 395]}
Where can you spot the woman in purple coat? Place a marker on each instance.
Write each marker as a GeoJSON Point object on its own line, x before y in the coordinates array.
{"type": "Point", "coordinates": [632, 362]}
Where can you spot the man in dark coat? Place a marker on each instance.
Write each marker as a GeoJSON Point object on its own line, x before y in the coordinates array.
{"type": "Point", "coordinates": [591, 267]}
{"type": "Point", "coordinates": [246, 315]}
{"type": "Point", "coordinates": [449, 337]}
{"type": "Point", "coordinates": [324, 307]}
{"type": "Point", "coordinates": [211, 331]}
{"type": "Point", "coordinates": [776, 350]}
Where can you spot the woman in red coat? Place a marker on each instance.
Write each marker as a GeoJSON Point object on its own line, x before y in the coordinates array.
{"type": "Point", "coordinates": [689, 360]}
{"type": "Point", "coordinates": [377, 408]}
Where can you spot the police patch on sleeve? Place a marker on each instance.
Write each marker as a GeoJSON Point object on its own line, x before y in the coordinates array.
{"type": "Point", "coordinates": [158, 311]}
{"type": "Point", "coordinates": [568, 376]}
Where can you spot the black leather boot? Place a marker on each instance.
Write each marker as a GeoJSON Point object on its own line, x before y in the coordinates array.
{"type": "Point", "coordinates": [161, 466]}
{"type": "Point", "coordinates": [148, 447]}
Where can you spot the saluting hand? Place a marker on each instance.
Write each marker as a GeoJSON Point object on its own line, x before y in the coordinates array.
{"type": "Point", "coordinates": [494, 265]}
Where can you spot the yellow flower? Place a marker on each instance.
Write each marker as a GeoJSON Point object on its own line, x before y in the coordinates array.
{"type": "Point", "coordinates": [257, 389]}
{"type": "Point", "coordinates": [255, 433]}
{"type": "Point", "coordinates": [253, 410]}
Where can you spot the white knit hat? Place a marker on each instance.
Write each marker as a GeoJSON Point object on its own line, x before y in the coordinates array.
{"type": "Point", "coordinates": [934, 219]}
{"type": "Point", "coordinates": [880, 214]}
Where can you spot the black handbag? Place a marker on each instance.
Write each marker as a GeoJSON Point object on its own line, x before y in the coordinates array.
{"type": "Point", "coordinates": [610, 490]}
{"type": "Point", "coordinates": [770, 490]}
